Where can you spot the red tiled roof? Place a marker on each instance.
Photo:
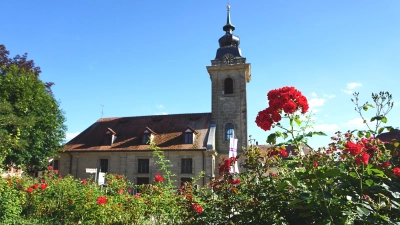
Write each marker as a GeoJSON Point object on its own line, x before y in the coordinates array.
{"type": "Point", "coordinates": [167, 129]}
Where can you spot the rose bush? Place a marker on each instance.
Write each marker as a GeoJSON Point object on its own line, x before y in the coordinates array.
{"type": "Point", "coordinates": [352, 180]}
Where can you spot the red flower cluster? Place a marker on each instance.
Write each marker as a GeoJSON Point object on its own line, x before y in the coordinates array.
{"type": "Point", "coordinates": [101, 200]}
{"type": "Point", "coordinates": [120, 191]}
{"type": "Point", "coordinates": [226, 165]}
{"type": "Point", "coordinates": [84, 181]}
{"type": "Point", "coordinates": [197, 207]}
{"type": "Point", "coordinates": [353, 148]}
{"type": "Point", "coordinates": [282, 152]}
{"type": "Point", "coordinates": [364, 157]}
{"type": "Point", "coordinates": [158, 178]}
{"type": "Point", "coordinates": [396, 171]}
{"type": "Point", "coordinates": [286, 99]}
{"type": "Point", "coordinates": [235, 181]}
{"type": "Point", "coordinates": [29, 190]}
{"type": "Point", "coordinates": [43, 186]}
{"type": "Point", "coordinates": [386, 164]}
{"type": "Point", "coordinates": [364, 150]}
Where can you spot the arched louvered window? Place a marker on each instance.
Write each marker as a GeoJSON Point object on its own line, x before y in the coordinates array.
{"type": "Point", "coordinates": [228, 86]}
{"type": "Point", "coordinates": [229, 131]}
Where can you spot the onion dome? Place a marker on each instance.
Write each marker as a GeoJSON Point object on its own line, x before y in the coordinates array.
{"type": "Point", "coordinates": [229, 39]}
{"type": "Point", "coordinates": [229, 43]}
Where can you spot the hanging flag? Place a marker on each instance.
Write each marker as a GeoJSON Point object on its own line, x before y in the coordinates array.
{"type": "Point", "coordinates": [233, 153]}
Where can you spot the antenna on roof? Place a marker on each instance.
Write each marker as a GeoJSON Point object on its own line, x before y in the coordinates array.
{"type": "Point", "coordinates": [102, 108]}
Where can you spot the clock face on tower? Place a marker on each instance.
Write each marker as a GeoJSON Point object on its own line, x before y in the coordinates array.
{"type": "Point", "coordinates": [228, 59]}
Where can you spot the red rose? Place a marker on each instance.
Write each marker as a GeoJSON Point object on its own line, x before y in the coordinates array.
{"type": "Point", "coordinates": [235, 181]}
{"type": "Point", "coordinates": [101, 200]}
{"type": "Point", "coordinates": [197, 207]}
{"type": "Point", "coordinates": [29, 190]}
{"type": "Point", "coordinates": [365, 158]}
{"type": "Point", "coordinates": [283, 153]}
{"type": "Point", "coordinates": [70, 201]}
{"type": "Point", "coordinates": [120, 191]}
{"type": "Point", "coordinates": [55, 171]}
{"type": "Point", "coordinates": [159, 178]}
{"type": "Point", "coordinates": [50, 168]}
{"type": "Point", "coordinates": [35, 186]}
{"type": "Point", "coordinates": [316, 164]}
{"type": "Point", "coordinates": [396, 171]}
{"type": "Point", "coordinates": [43, 186]}
{"type": "Point", "coordinates": [386, 164]}
{"type": "Point", "coordinates": [84, 181]}
{"type": "Point", "coordinates": [353, 148]}
{"type": "Point", "coordinates": [289, 107]}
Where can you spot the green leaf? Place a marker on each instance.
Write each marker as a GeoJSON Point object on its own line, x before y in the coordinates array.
{"type": "Point", "coordinates": [396, 144]}
{"type": "Point", "coordinates": [368, 134]}
{"type": "Point", "coordinates": [380, 130]}
{"type": "Point", "coordinates": [271, 138]}
{"type": "Point", "coordinates": [378, 172]}
{"type": "Point", "coordinates": [297, 120]}
{"type": "Point", "coordinates": [362, 211]}
{"type": "Point", "coordinates": [360, 134]}
{"type": "Point", "coordinates": [332, 173]}
{"type": "Point", "coordinates": [353, 174]}
{"type": "Point", "coordinates": [281, 186]}
{"type": "Point", "coordinates": [285, 135]}
{"type": "Point", "coordinates": [369, 182]}
{"type": "Point", "coordinates": [384, 119]}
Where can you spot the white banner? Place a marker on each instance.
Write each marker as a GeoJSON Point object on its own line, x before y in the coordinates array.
{"type": "Point", "coordinates": [233, 153]}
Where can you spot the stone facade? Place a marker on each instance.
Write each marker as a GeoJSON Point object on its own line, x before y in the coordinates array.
{"type": "Point", "coordinates": [231, 107]}
{"type": "Point", "coordinates": [127, 164]}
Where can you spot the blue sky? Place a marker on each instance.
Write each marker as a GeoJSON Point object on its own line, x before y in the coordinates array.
{"type": "Point", "coordinates": [149, 57]}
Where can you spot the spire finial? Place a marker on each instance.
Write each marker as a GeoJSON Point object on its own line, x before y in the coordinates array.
{"type": "Point", "coordinates": [228, 27]}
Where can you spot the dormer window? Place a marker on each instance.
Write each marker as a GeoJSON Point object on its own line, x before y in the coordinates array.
{"type": "Point", "coordinates": [146, 137]}
{"type": "Point", "coordinates": [188, 135]}
{"type": "Point", "coordinates": [228, 86]}
{"type": "Point", "coordinates": [110, 137]}
{"type": "Point", "coordinates": [188, 138]}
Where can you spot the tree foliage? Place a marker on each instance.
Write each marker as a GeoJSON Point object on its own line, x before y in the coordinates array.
{"type": "Point", "coordinates": [31, 122]}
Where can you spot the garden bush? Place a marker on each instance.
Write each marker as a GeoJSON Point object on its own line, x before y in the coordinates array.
{"type": "Point", "coordinates": [352, 180]}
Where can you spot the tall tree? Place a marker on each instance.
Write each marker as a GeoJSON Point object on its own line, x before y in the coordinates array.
{"type": "Point", "coordinates": [31, 122]}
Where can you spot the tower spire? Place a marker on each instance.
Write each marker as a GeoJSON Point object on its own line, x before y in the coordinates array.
{"type": "Point", "coordinates": [228, 27]}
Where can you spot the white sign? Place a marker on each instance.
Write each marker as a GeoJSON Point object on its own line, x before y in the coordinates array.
{"type": "Point", "coordinates": [91, 170]}
{"type": "Point", "coordinates": [101, 178]}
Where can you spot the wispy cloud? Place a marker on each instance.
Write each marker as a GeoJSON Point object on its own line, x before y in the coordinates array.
{"type": "Point", "coordinates": [326, 127]}
{"type": "Point", "coordinates": [159, 106]}
{"type": "Point", "coordinates": [329, 96]}
{"type": "Point", "coordinates": [356, 123]}
{"type": "Point", "coordinates": [350, 87]}
{"type": "Point", "coordinates": [314, 102]}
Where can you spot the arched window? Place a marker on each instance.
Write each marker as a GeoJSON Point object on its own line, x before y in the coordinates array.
{"type": "Point", "coordinates": [228, 86]}
{"type": "Point", "coordinates": [229, 131]}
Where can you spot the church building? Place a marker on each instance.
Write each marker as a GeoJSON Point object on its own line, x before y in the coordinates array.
{"type": "Point", "coordinates": [193, 142]}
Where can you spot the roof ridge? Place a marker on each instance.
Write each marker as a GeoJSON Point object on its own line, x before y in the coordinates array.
{"type": "Point", "coordinates": [109, 118]}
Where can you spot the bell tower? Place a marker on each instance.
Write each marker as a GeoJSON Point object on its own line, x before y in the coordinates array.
{"type": "Point", "coordinates": [229, 74]}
